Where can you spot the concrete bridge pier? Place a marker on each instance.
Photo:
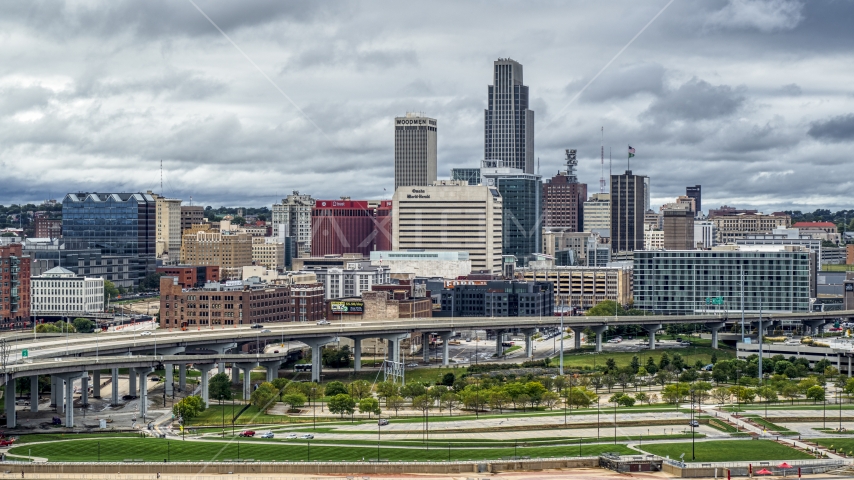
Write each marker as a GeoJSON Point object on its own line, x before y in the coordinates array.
{"type": "Point", "coordinates": [53, 390]}
{"type": "Point", "coordinates": [599, 330]}
{"type": "Point", "coordinates": [529, 341]}
{"type": "Point", "coordinates": [446, 339]}
{"type": "Point", "coordinates": [132, 383]}
{"type": "Point", "coordinates": [357, 353]}
{"type": "Point", "coordinates": [96, 384]}
{"type": "Point", "coordinates": [499, 339]}
{"type": "Point", "coordinates": [814, 326]}
{"type": "Point", "coordinates": [425, 347]}
{"type": "Point", "coordinates": [272, 369]}
{"type": "Point", "coordinates": [68, 397]}
{"type": "Point", "coordinates": [715, 327]}
{"type": "Point", "coordinates": [205, 371]}
{"type": "Point", "coordinates": [169, 380]}
{"type": "Point", "coordinates": [651, 329]}
{"type": "Point", "coordinates": [577, 331]}
{"type": "Point", "coordinates": [84, 390]}
{"type": "Point", "coordinates": [247, 367]}
{"type": "Point", "coordinates": [316, 345]}
{"type": "Point", "coordinates": [9, 396]}
{"type": "Point", "coordinates": [220, 366]}
{"type": "Point", "coordinates": [114, 400]}
{"type": "Point", "coordinates": [142, 373]}
{"type": "Point", "coordinates": [34, 393]}
{"type": "Point", "coordinates": [182, 377]}
{"type": "Point", "coordinates": [235, 374]}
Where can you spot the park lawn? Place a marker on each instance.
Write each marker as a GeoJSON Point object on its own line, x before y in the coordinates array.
{"type": "Point", "coordinates": [770, 426]}
{"type": "Point", "coordinates": [587, 359]}
{"type": "Point", "coordinates": [839, 444]}
{"type": "Point", "coordinates": [728, 451]}
{"type": "Point", "coordinates": [158, 450]}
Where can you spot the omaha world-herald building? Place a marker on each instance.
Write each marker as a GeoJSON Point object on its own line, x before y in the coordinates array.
{"type": "Point", "coordinates": [450, 216]}
{"type": "Point", "coordinates": [775, 278]}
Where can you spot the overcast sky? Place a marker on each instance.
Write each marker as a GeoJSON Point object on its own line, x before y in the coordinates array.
{"type": "Point", "coordinates": [752, 99]}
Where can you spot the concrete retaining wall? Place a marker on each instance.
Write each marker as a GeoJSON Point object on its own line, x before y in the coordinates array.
{"type": "Point", "coordinates": [305, 468]}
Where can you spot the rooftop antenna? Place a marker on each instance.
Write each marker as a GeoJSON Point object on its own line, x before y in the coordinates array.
{"type": "Point", "coordinates": [609, 162]}
{"type": "Point", "coordinates": [602, 163]}
{"type": "Point", "coordinates": [161, 176]}
{"type": "Point", "coordinates": [538, 165]}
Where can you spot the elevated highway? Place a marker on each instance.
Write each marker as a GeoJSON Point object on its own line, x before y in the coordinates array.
{"type": "Point", "coordinates": [68, 358]}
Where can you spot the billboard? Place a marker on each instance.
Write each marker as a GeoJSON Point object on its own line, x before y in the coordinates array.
{"type": "Point", "coordinates": [348, 308]}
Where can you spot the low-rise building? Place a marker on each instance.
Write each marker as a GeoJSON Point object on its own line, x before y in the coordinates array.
{"type": "Point", "coordinates": [820, 230]}
{"type": "Point", "coordinates": [352, 280]}
{"type": "Point", "coordinates": [653, 239]}
{"type": "Point", "coordinates": [379, 305]}
{"type": "Point", "coordinates": [585, 287]}
{"type": "Point", "coordinates": [775, 278]}
{"type": "Point", "coordinates": [730, 228]}
{"type": "Point", "coordinates": [230, 252]}
{"type": "Point", "coordinates": [191, 276]}
{"type": "Point", "coordinates": [268, 252]}
{"type": "Point", "coordinates": [59, 292]}
{"type": "Point", "coordinates": [499, 298]}
{"type": "Point", "coordinates": [424, 263]}
{"type": "Point", "coordinates": [235, 303]}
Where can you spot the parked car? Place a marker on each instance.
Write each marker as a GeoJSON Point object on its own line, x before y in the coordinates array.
{"type": "Point", "coordinates": [266, 331]}
{"type": "Point", "coordinates": [257, 325]}
{"type": "Point", "coordinates": [247, 433]}
{"type": "Point", "coordinates": [694, 423]}
{"type": "Point", "coordinates": [267, 435]}
{"type": "Point", "coordinates": [307, 436]}
{"type": "Point", "coordinates": [411, 364]}
{"type": "Point", "coordinates": [323, 322]}
{"type": "Point", "coordinates": [292, 435]}
{"type": "Point", "coordinates": [382, 422]}
{"type": "Point", "coordinates": [145, 333]}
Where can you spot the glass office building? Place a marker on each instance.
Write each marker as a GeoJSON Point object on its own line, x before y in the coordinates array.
{"type": "Point", "coordinates": [773, 278]}
{"type": "Point", "coordinates": [119, 225]}
{"type": "Point", "coordinates": [522, 210]}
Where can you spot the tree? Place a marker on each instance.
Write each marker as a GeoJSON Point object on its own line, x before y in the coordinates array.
{"type": "Point", "coordinates": [387, 389]}
{"type": "Point", "coordinates": [535, 391]}
{"type": "Point", "coordinates": [341, 404]}
{"type": "Point", "coordinates": [83, 325]}
{"type": "Point", "coordinates": [549, 399]}
{"type": "Point", "coordinates": [580, 397]}
{"type": "Point", "coordinates": [264, 396]}
{"type": "Point", "coordinates": [622, 399]}
{"type": "Point", "coordinates": [219, 387]}
{"type": "Point", "coordinates": [189, 408]}
{"type": "Point", "coordinates": [642, 397]}
{"type": "Point", "coordinates": [450, 400]}
{"type": "Point", "coordinates": [369, 405]}
{"type": "Point", "coordinates": [721, 395]}
{"type": "Point", "coordinates": [394, 402]}
{"type": "Point", "coordinates": [448, 379]}
{"type": "Point", "coordinates": [239, 221]}
{"type": "Point", "coordinates": [412, 390]}
{"type": "Point", "coordinates": [498, 399]}
{"type": "Point", "coordinates": [816, 393]}
{"type": "Point", "coordinates": [150, 282]}
{"type": "Point", "coordinates": [335, 388]}
{"type": "Point", "coordinates": [610, 364]}
{"type": "Point", "coordinates": [110, 291]}
{"type": "Point", "coordinates": [675, 393]}
{"type": "Point", "coordinates": [635, 364]}
{"type": "Point", "coordinates": [524, 398]}
{"type": "Point", "coordinates": [281, 385]}
{"type": "Point", "coordinates": [790, 391]}
{"type": "Point", "coordinates": [422, 402]}
{"type": "Point", "coordinates": [767, 393]}
{"type": "Point", "coordinates": [294, 400]}
{"type": "Point", "coordinates": [359, 389]}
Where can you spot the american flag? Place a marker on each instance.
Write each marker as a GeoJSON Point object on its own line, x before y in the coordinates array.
{"type": "Point", "coordinates": [631, 150]}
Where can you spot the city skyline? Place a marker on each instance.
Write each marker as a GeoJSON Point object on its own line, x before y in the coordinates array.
{"type": "Point", "coordinates": [744, 97]}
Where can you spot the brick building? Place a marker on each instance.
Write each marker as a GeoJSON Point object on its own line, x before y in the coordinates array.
{"type": "Point", "coordinates": [346, 226]}
{"type": "Point", "coordinates": [191, 276]}
{"type": "Point", "coordinates": [564, 197]}
{"type": "Point", "coordinates": [191, 215]}
{"type": "Point", "coordinates": [379, 305]}
{"type": "Point", "coordinates": [47, 227]}
{"type": "Point", "coordinates": [14, 287]}
{"type": "Point", "coordinates": [219, 306]}
{"type": "Point", "coordinates": [231, 252]}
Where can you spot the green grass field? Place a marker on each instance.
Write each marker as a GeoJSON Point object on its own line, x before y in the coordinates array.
{"type": "Point", "coordinates": [158, 450]}
{"type": "Point", "coordinates": [728, 451]}
{"type": "Point", "coordinates": [50, 437]}
{"type": "Point", "coordinates": [839, 444]}
{"type": "Point", "coordinates": [587, 359]}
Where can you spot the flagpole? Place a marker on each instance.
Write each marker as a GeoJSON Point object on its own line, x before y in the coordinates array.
{"type": "Point", "coordinates": [629, 158]}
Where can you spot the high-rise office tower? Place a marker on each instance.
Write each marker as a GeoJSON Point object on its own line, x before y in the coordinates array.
{"type": "Point", "coordinates": [679, 229]}
{"type": "Point", "coordinates": [696, 192]}
{"type": "Point", "coordinates": [564, 197]}
{"type": "Point", "coordinates": [122, 225]}
{"type": "Point", "coordinates": [347, 226]}
{"type": "Point", "coordinates": [414, 151]}
{"type": "Point", "coordinates": [627, 213]}
{"type": "Point", "coordinates": [522, 206]}
{"type": "Point", "coordinates": [294, 214]}
{"type": "Point", "coordinates": [168, 231]}
{"type": "Point", "coordinates": [508, 123]}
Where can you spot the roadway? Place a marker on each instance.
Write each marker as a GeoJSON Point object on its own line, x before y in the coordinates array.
{"type": "Point", "coordinates": [124, 343]}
